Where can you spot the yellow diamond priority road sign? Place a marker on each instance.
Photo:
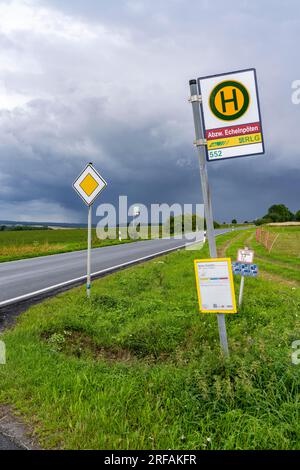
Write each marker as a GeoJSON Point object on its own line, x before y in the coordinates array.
{"type": "Point", "coordinates": [89, 184]}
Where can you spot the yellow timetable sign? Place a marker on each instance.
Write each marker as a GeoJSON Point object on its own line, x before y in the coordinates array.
{"type": "Point", "coordinates": [215, 287]}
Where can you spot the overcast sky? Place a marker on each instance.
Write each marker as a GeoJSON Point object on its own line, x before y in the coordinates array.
{"type": "Point", "coordinates": [107, 81]}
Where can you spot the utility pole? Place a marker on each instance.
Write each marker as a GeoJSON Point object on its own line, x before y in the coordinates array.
{"type": "Point", "coordinates": [200, 142]}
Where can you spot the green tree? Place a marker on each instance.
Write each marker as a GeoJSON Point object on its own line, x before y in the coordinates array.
{"type": "Point", "coordinates": [234, 221]}
{"type": "Point", "coordinates": [192, 222]}
{"type": "Point", "coordinates": [297, 216]}
{"type": "Point", "coordinates": [279, 213]}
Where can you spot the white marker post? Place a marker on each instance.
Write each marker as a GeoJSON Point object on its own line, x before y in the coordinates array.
{"type": "Point", "coordinates": [136, 213]}
{"type": "Point", "coordinates": [89, 185]}
{"type": "Point", "coordinates": [195, 99]}
{"type": "Point", "coordinates": [244, 256]}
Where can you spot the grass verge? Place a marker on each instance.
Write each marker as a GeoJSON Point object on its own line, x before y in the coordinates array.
{"type": "Point", "coordinates": [137, 367]}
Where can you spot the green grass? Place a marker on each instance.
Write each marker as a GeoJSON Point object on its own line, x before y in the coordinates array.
{"type": "Point", "coordinates": [138, 367]}
{"type": "Point", "coordinates": [287, 245]}
{"type": "Point", "coordinates": [16, 245]}
{"type": "Point", "coordinates": [282, 261]}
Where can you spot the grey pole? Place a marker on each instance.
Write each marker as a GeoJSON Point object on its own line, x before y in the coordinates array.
{"type": "Point", "coordinates": [195, 100]}
{"type": "Point", "coordinates": [88, 278]}
{"type": "Point", "coordinates": [242, 287]}
{"type": "Point", "coordinates": [241, 291]}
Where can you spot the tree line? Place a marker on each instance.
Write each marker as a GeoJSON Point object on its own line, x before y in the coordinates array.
{"type": "Point", "coordinates": [278, 213]}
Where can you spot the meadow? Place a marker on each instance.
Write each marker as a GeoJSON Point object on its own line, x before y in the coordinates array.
{"type": "Point", "coordinates": [138, 367]}
{"type": "Point", "coordinates": [16, 245]}
{"type": "Point", "coordinates": [284, 257]}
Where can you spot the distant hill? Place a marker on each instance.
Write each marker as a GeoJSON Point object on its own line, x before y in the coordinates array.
{"type": "Point", "coordinates": [42, 224]}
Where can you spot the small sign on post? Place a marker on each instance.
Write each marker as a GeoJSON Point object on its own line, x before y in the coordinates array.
{"type": "Point", "coordinates": [245, 256]}
{"type": "Point", "coordinates": [215, 285]}
{"type": "Point", "coordinates": [245, 268]}
{"type": "Point", "coordinates": [89, 185]}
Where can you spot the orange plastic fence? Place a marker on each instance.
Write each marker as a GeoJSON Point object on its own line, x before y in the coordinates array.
{"type": "Point", "coordinates": [266, 238]}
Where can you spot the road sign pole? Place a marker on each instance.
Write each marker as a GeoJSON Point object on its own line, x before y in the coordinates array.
{"type": "Point", "coordinates": [88, 186]}
{"type": "Point", "coordinates": [241, 291]}
{"type": "Point", "coordinates": [88, 278]}
{"type": "Point", "coordinates": [195, 100]}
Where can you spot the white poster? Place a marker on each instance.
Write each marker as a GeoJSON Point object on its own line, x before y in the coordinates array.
{"type": "Point", "coordinates": [215, 285]}
{"type": "Point", "coordinates": [245, 256]}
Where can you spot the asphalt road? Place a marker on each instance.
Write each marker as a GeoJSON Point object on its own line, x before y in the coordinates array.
{"type": "Point", "coordinates": [7, 444]}
{"type": "Point", "coordinates": [24, 279]}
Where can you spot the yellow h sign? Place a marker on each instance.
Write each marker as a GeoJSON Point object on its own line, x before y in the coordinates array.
{"type": "Point", "coordinates": [229, 100]}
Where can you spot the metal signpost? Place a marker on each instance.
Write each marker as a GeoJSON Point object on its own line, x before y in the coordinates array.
{"type": "Point", "coordinates": [89, 185]}
{"type": "Point", "coordinates": [241, 291]}
{"type": "Point", "coordinates": [229, 126]}
{"type": "Point", "coordinates": [244, 268]}
{"type": "Point", "coordinates": [231, 115]}
{"type": "Point", "coordinates": [195, 100]}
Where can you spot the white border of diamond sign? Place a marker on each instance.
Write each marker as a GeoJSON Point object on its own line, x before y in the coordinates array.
{"type": "Point", "coordinates": [89, 169]}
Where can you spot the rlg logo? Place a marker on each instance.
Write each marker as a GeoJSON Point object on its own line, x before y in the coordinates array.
{"type": "Point", "coordinates": [229, 100]}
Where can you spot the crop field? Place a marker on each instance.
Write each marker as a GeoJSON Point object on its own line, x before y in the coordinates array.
{"type": "Point", "coordinates": [284, 258]}
{"type": "Point", "coordinates": [288, 241]}
{"type": "Point", "coordinates": [29, 244]}
{"type": "Point", "coordinates": [137, 366]}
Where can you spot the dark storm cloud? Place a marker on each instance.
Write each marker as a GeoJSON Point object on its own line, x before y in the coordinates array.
{"type": "Point", "coordinates": [108, 82]}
